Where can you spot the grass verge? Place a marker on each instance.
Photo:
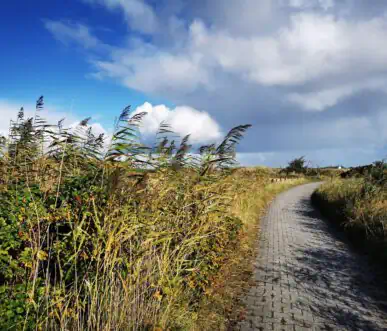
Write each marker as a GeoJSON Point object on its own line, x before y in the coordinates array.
{"type": "Point", "coordinates": [359, 207]}
{"type": "Point", "coordinates": [223, 308]}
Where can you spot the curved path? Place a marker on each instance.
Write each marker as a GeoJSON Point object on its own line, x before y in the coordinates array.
{"type": "Point", "coordinates": [306, 276]}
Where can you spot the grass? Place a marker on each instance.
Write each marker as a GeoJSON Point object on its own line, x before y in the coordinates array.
{"type": "Point", "coordinates": [106, 234]}
{"type": "Point", "coordinates": [224, 308]}
{"type": "Point", "coordinates": [112, 234]}
{"type": "Point", "coordinates": [359, 206]}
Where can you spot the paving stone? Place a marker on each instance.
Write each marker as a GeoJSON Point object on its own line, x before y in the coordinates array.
{"type": "Point", "coordinates": [306, 277]}
{"type": "Point", "coordinates": [280, 327]}
{"type": "Point", "coordinates": [245, 326]}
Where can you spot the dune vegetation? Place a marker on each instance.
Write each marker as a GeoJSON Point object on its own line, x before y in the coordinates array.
{"type": "Point", "coordinates": [110, 234]}
{"type": "Point", "coordinates": [358, 202]}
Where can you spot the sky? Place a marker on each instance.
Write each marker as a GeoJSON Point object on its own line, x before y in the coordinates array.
{"type": "Point", "coordinates": [309, 75]}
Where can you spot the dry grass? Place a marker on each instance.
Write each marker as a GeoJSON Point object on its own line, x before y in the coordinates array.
{"type": "Point", "coordinates": [128, 238]}
{"type": "Point", "coordinates": [360, 207]}
{"type": "Point", "coordinates": [223, 307]}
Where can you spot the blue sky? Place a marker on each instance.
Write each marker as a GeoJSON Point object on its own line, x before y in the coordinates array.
{"type": "Point", "coordinates": [34, 63]}
{"type": "Point", "coordinates": [310, 75]}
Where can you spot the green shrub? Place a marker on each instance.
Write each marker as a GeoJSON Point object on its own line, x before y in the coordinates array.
{"type": "Point", "coordinates": [298, 166]}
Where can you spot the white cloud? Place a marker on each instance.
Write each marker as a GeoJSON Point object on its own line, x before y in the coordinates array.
{"type": "Point", "coordinates": [97, 128]}
{"type": "Point", "coordinates": [261, 62]}
{"type": "Point", "coordinates": [183, 120]}
{"type": "Point", "coordinates": [72, 32]}
{"type": "Point", "coordinates": [326, 98]}
{"type": "Point", "coordinates": [313, 48]}
{"type": "Point", "coordinates": [303, 4]}
{"type": "Point", "coordinates": [10, 109]}
{"type": "Point", "coordinates": [155, 72]}
{"type": "Point", "coordinates": [139, 15]}
{"type": "Point", "coordinates": [242, 17]}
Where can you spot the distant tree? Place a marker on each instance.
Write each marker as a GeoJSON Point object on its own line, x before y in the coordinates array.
{"type": "Point", "coordinates": [298, 165]}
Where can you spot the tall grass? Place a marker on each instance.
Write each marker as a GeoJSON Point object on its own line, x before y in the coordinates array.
{"type": "Point", "coordinates": [110, 235]}
{"type": "Point", "coordinates": [359, 205]}
{"type": "Point", "coordinates": [253, 190]}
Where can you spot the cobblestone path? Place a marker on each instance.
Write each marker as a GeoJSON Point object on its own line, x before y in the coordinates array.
{"type": "Point", "coordinates": [306, 277]}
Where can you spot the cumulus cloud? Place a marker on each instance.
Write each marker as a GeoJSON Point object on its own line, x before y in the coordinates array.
{"type": "Point", "coordinates": [155, 72]}
{"type": "Point", "coordinates": [183, 120]}
{"type": "Point", "coordinates": [308, 74]}
{"type": "Point", "coordinates": [313, 48]}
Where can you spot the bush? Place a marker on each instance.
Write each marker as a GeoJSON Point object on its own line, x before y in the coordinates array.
{"type": "Point", "coordinates": [376, 172]}
{"type": "Point", "coordinates": [298, 166]}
